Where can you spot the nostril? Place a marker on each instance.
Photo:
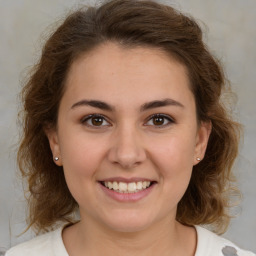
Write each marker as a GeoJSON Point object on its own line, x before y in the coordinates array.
{"type": "Point", "coordinates": [127, 153]}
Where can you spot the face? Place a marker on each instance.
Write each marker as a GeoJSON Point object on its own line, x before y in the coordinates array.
{"type": "Point", "coordinates": [127, 136]}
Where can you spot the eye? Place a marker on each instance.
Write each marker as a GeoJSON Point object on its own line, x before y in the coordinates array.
{"type": "Point", "coordinates": [95, 120]}
{"type": "Point", "coordinates": [159, 120]}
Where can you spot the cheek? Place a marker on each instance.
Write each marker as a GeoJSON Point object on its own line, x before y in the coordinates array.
{"type": "Point", "coordinates": [175, 152]}
{"type": "Point", "coordinates": [81, 159]}
{"type": "Point", "coordinates": [174, 159]}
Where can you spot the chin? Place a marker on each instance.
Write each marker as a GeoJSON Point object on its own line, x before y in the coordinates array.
{"type": "Point", "coordinates": [128, 223]}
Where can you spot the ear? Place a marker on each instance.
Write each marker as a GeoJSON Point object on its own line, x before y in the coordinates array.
{"type": "Point", "coordinates": [202, 137]}
{"type": "Point", "coordinates": [52, 136]}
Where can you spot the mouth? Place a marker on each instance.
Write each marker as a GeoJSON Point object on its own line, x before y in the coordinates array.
{"type": "Point", "coordinates": [127, 187]}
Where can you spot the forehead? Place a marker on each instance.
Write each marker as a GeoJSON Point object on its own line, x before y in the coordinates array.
{"type": "Point", "coordinates": [107, 55]}
{"type": "Point", "coordinates": [112, 71]}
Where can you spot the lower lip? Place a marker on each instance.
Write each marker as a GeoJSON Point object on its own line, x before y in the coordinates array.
{"type": "Point", "coordinates": [127, 197]}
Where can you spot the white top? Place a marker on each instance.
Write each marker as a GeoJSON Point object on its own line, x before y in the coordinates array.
{"type": "Point", "coordinates": [51, 244]}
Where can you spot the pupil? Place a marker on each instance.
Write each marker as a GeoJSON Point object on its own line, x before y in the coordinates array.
{"type": "Point", "coordinates": [97, 121]}
{"type": "Point", "coordinates": [158, 120]}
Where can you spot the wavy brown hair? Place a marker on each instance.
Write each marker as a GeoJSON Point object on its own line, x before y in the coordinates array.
{"type": "Point", "coordinates": [129, 23]}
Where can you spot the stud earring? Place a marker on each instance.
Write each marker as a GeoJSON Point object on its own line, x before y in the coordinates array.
{"type": "Point", "coordinates": [56, 159]}
{"type": "Point", "coordinates": [198, 159]}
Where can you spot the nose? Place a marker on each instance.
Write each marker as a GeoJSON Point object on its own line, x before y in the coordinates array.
{"type": "Point", "coordinates": [127, 148]}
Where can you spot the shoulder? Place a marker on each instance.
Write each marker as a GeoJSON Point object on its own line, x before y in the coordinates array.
{"type": "Point", "coordinates": [210, 244]}
{"type": "Point", "coordinates": [48, 244]}
{"type": "Point", "coordinates": [40, 244]}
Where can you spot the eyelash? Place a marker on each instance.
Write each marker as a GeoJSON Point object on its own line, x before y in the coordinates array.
{"type": "Point", "coordinates": [90, 117]}
{"type": "Point", "coordinates": [165, 117]}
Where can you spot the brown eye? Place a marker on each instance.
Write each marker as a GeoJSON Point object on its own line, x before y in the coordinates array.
{"type": "Point", "coordinates": [160, 120]}
{"type": "Point", "coordinates": [95, 121]}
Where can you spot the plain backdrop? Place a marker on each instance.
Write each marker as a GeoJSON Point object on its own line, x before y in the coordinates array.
{"type": "Point", "coordinates": [231, 35]}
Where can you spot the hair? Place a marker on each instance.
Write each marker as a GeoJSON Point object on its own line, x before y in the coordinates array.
{"type": "Point", "coordinates": [129, 23]}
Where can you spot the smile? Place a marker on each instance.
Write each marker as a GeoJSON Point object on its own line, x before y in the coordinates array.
{"type": "Point", "coordinates": [123, 187]}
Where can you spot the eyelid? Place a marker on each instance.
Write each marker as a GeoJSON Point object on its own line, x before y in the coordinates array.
{"type": "Point", "coordinates": [165, 116]}
{"type": "Point", "coordinates": [169, 118]}
{"type": "Point", "coordinates": [88, 117]}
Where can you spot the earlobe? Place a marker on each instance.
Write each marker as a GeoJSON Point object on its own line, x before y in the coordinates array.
{"type": "Point", "coordinates": [202, 139]}
{"type": "Point", "coordinates": [53, 139]}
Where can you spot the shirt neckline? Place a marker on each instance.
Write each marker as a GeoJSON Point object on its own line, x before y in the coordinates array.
{"type": "Point", "coordinates": [60, 249]}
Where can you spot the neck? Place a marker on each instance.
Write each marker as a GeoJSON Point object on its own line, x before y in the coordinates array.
{"type": "Point", "coordinates": [166, 237]}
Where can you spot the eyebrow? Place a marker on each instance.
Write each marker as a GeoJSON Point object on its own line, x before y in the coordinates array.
{"type": "Point", "coordinates": [149, 105]}
{"type": "Point", "coordinates": [160, 103]}
{"type": "Point", "coordinates": [93, 103]}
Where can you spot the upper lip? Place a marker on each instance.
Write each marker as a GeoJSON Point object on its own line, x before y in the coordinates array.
{"type": "Point", "coordinates": [126, 180]}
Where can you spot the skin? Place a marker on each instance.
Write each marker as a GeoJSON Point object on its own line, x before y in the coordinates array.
{"type": "Point", "coordinates": [128, 143]}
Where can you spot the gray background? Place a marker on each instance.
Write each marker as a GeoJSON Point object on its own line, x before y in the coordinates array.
{"type": "Point", "coordinates": [231, 36]}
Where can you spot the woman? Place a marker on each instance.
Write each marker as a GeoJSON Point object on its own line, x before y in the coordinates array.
{"type": "Point", "coordinates": [123, 122]}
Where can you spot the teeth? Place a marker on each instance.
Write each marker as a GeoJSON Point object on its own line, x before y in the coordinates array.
{"type": "Point", "coordinates": [139, 185]}
{"type": "Point", "coordinates": [115, 185]}
{"type": "Point", "coordinates": [132, 187]}
{"type": "Point", "coordinates": [123, 187]}
{"type": "Point", "coordinates": [110, 185]}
